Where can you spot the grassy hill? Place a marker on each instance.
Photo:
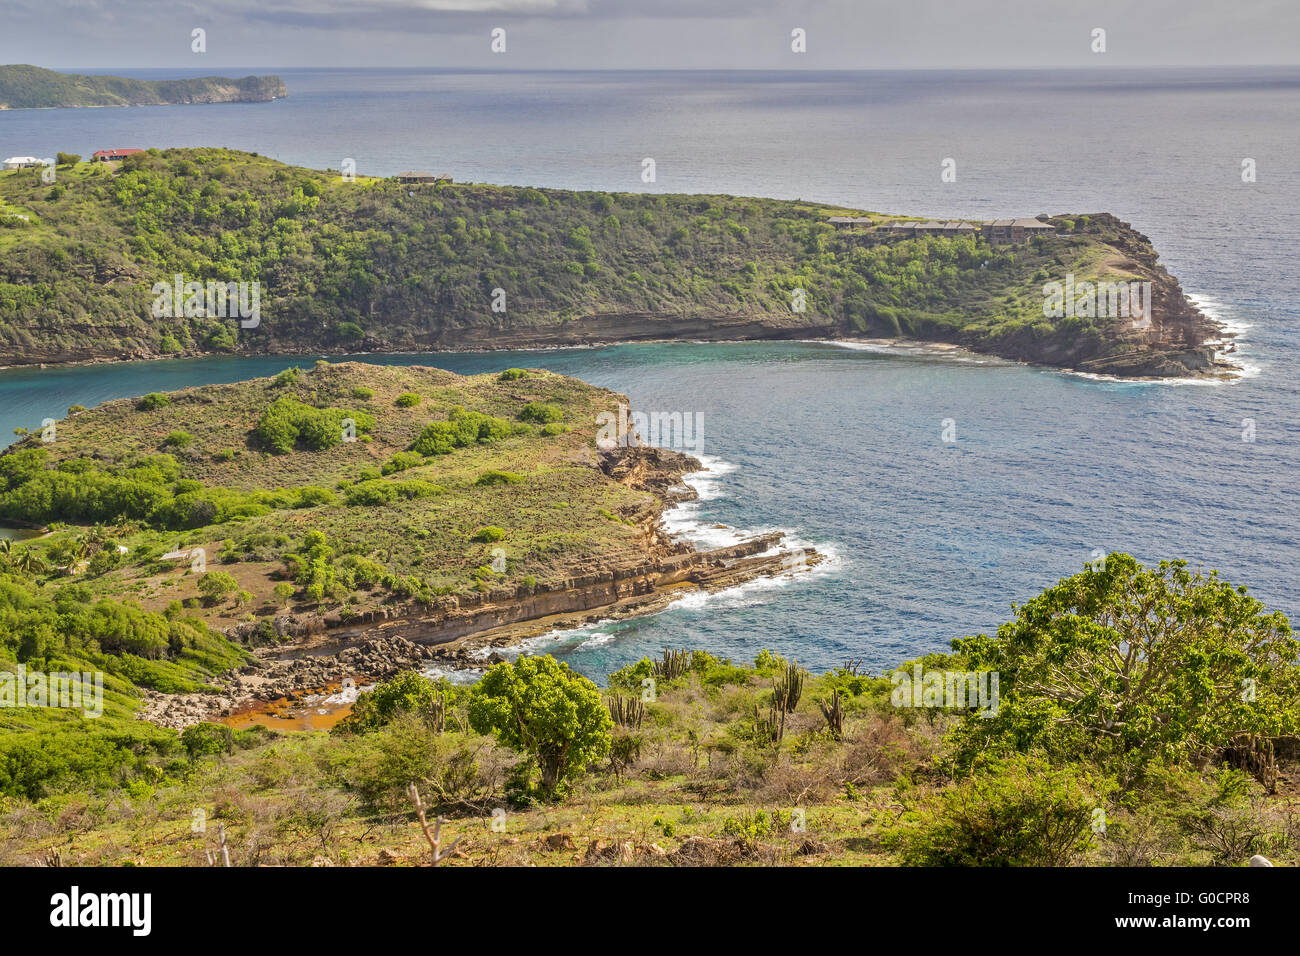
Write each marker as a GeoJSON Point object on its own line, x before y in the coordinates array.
{"type": "Point", "coordinates": [249, 471]}
{"type": "Point", "coordinates": [376, 265]}
{"type": "Point", "coordinates": [30, 87]}
{"type": "Point", "coordinates": [452, 486]}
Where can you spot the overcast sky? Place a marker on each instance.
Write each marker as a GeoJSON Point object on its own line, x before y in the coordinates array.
{"type": "Point", "coordinates": [648, 34]}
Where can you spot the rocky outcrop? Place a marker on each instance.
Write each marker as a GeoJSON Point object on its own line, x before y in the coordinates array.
{"type": "Point", "coordinates": [268, 679]}
{"type": "Point", "coordinates": [468, 630]}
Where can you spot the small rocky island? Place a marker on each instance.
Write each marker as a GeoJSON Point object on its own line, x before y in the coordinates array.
{"type": "Point", "coordinates": [30, 87]}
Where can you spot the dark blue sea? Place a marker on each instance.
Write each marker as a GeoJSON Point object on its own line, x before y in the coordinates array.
{"type": "Point", "coordinates": [841, 446]}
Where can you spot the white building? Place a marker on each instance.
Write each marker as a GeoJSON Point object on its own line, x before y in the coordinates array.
{"type": "Point", "coordinates": [23, 162]}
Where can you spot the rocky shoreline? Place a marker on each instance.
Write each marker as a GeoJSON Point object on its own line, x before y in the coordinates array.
{"type": "Point", "coordinates": [468, 631]}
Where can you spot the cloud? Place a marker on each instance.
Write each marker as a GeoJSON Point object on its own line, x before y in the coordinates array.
{"type": "Point", "coordinates": [596, 34]}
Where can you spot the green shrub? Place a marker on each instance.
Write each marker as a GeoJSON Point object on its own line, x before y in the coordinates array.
{"type": "Point", "coordinates": [179, 439]}
{"type": "Point", "coordinates": [512, 374]}
{"type": "Point", "coordinates": [495, 477]}
{"type": "Point", "coordinates": [207, 739]}
{"type": "Point", "coordinates": [215, 585]}
{"type": "Point", "coordinates": [540, 413]}
{"type": "Point", "coordinates": [461, 429]}
{"type": "Point", "coordinates": [1015, 812]}
{"type": "Point", "coordinates": [408, 400]}
{"type": "Point", "coordinates": [401, 461]}
{"type": "Point", "coordinates": [489, 534]}
{"type": "Point", "coordinates": [407, 693]}
{"type": "Point", "coordinates": [287, 422]}
{"type": "Point", "coordinates": [153, 400]}
{"type": "Point", "coordinates": [380, 492]}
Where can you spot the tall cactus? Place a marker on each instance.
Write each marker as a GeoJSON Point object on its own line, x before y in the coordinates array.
{"type": "Point", "coordinates": [834, 714]}
{"type": "Point", "coordinates": [788, 688]}
{"type": "Point", "coordinates": [626, 711]}
{"type": "Point", "coordinates": [673, 665]}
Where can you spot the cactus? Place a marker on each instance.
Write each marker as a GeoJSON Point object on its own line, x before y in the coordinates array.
{"type": "Point", "coordinates": [436, 713]}
{"type": "Point", "coordinates": [673, 665]}
{"type": "Point", "coordinates": [626, 711]}
{"type": "Point", "coordinates": [834, 714]}
{"type": "Point", "coordinates": [770, 728]}
{"type": "Point", "coordinates": [788, 688]}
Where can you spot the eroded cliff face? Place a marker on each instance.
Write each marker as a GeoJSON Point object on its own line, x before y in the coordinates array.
{"type": "Point", "coordinates": [250, 89]}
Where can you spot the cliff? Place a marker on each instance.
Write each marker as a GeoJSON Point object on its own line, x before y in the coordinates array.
{"type": "Point", "coordinates": [30, 87]}
{"type": "Point", "coordinates": [356, 265]}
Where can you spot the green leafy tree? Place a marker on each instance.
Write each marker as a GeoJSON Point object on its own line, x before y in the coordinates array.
{"type": "Point", "coordinates": [215, 585]}
{"type": "Point", "coordinates": [538, 706]}
{"type": "Point", "coordinates": [407, 693]}
{"type": "Point", "coordinates": [1139, 662]}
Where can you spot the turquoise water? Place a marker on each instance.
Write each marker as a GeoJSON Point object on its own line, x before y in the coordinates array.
{"type": "Point", "coordinates": [841, 447]}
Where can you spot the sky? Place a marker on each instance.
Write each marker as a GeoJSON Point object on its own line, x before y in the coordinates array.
{"type": "Point", "coordinates": [648, 34]}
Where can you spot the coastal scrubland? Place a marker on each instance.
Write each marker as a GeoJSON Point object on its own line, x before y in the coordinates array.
{"type": "Point", "coordinates": [1126, 715]}
{"type": "Point", "coordinates": [354, 264]}
{"type": "Point", "coordinates": [171, 519]}
{"type": "Point", "coordinates": [1160, 760]}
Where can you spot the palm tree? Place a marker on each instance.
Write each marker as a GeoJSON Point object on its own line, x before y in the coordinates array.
{"type": "Point", "coordinates": [29, 562]}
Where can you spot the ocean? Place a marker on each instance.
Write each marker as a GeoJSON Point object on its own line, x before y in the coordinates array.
{"type": "Point", "coordinates": [842, 445]}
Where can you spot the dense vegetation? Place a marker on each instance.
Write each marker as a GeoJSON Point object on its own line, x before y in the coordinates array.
{"type": "Point", "coordinates": [693, 759]}
{"type": "Point", "coordinates": [314, 478]}
{"type": "Point", "coordinates": [30, 87]}
{"type": "Point", "coordinates": [372, 264]}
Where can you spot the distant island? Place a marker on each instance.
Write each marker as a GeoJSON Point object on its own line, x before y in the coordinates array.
{"type": "Point", "coordinates": [348, 264]}
{"type": "Point", "coordinates": [29, 87]}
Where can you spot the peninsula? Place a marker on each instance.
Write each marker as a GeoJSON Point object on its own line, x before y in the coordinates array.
{"type": "Point", "coordinates": [30, 87]}
{"type": "Point", "coordinates": [344, 263]}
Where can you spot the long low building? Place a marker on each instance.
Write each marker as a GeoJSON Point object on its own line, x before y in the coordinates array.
{"type": "Point", "coordinates": [23, 162]}
{"type": "Point", "coordinates": [997, 231]}
{"type": "Point", "coordinates": [113, 155]}
{"type": "Point", "coordinates": [1015, 230]}
{"type": "Point", "coordinates": [930, 227]}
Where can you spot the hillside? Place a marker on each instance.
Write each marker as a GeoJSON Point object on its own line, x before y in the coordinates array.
{"type": "Point", "coordinates": [227, 559]}
{"type": "Point", "coordinates": [374, 265]}
{"type": "Point", "coordinates": [324, 508]}
{"type": "Point", "coordinates": [30, 87]}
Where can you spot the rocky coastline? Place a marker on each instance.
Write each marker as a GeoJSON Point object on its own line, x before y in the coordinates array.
{"type": "Point", "coordinates": [318, 651]}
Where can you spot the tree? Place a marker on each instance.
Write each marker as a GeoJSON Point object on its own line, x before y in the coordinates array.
{"type": "Point", "coordinates": [1140, 662]}
{"type": "Point", "coordinates": [215, 585]}
{"type": "Point", "coordinates": [407, 693]}
{"type": "Point", "coordinates": [67, 159]}
{"type": "Point", "coordinates": [538, 706]}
